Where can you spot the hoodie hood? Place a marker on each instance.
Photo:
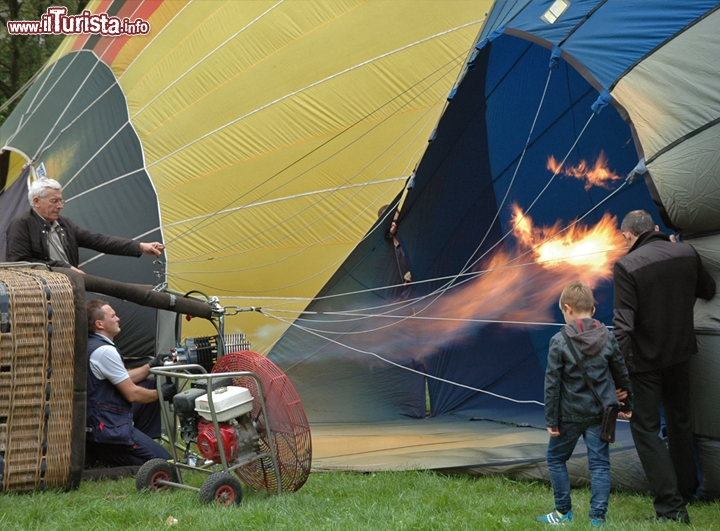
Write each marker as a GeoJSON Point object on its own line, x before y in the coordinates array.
{"type": "Point", "coordinates": [589, 335]}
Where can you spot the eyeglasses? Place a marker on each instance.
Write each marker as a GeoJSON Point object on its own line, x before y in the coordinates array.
{"type": "Point", "coordinates": [56, 201]}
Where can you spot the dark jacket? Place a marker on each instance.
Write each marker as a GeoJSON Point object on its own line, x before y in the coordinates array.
{"type": "Point", "coordinates": [109, 414]}
{"type": "Point", "coordinates": [656, 285]}
{"type": "Point", "coordinates": [27, 241]}
{"type": "Point", "coordinates": [567, 397]}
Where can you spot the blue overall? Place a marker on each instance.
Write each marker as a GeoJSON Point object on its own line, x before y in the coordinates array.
{"type": "Point", "coordinates": [111, 438]}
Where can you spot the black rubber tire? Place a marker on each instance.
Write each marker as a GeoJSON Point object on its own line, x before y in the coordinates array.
{"type": "Point", "coordinates": [154, 470]}
{"type": "Point", "coordinates": [222, 488]}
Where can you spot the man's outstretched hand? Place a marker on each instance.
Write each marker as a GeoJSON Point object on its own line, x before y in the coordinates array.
{"type": "Point", "coordinates": [154, 248]}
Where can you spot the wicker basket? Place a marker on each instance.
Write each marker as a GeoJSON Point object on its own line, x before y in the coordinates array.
{"type": "Point", "coordinates": [37, 344]}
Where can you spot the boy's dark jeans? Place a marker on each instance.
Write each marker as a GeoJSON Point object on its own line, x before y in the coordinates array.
{"type": "Point", "coordinates": [559, 451]}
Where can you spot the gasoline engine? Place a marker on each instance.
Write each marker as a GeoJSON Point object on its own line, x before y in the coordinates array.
{"type": "Point", "coordinates": [233, 407]}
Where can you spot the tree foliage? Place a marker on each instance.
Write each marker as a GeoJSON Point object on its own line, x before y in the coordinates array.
{"type": "Point", "coordinates": [21, 56]}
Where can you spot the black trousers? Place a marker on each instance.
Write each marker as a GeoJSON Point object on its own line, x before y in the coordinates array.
{"type": "Point", "coordinates": [144, 449]}
{"type": "Point", "coordinates": [147, 417]}
{"type": "Point", "coordinates": [146, 421]}
{"type": "Point", "coordinates": [670, 469]}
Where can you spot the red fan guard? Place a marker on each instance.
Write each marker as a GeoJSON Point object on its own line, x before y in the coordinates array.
{"type": "Point", "coordinates": [289, 426]}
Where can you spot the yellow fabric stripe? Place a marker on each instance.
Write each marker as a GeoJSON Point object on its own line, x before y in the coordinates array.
{"type": "Point", "coordinates": [274, 130]}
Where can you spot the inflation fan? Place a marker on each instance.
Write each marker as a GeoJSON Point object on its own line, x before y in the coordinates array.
{"type": "Point", "coordinates": [246, 416]}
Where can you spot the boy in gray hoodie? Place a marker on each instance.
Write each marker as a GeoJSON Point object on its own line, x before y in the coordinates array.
{"type": "Point", "coordinates": [571, 409]}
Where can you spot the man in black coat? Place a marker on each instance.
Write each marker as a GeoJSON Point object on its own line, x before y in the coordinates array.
{"type": "Point", "coordinates": [656, 285]}
{"type": "Point", "coordinates": [43, 235]}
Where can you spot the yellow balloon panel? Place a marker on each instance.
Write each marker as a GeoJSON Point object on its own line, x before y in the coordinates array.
{"type": "Point", "coordinates": [273, 132]}
{"type": "Point", "coordinates": [354, 161]}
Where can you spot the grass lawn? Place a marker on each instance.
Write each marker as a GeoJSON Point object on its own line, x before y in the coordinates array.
{"type": "Point", "coordinates": [411, 500]}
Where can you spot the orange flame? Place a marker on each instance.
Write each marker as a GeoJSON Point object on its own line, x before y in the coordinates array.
{"type": "Point", "coordinates": [597, 175]}
{"type": "Point", "coordinates": [592, 250]}
{"type": "Point", "coordinates": [520, 287]}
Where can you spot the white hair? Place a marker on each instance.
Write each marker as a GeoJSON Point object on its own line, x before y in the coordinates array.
{"type": "Point", "coordinates": [38, 187]}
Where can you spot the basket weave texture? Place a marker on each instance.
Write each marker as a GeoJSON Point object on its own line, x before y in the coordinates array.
{"type": "Point", "coordinates": [36, 379]}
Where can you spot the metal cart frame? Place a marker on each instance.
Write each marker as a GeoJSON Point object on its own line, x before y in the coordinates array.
{"type": "Point", "coordinates": [184, 374]}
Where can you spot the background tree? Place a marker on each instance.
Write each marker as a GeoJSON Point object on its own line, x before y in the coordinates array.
{"type": "Point", "coordinates": [22, 56]}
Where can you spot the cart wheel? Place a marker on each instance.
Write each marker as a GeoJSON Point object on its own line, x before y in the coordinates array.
{"type": "Point", "coordinates": [153, 471]}
{"type": "Point", "coordinates": [222, 488]}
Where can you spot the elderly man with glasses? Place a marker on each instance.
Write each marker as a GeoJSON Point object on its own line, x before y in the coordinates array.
{"type": "Point", "coordinates": [43, 235]}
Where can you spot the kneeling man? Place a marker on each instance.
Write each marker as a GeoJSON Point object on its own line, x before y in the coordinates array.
{"type": "Point", "coordinates": [112, 391]}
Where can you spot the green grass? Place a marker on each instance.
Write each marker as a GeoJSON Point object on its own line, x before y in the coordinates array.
{"type": "Point", "coordinates": [329, 501]}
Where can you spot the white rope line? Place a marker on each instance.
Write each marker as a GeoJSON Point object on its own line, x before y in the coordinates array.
{"type": "Point", "coordinates": [86, 109]}
{"type": "Point", "coordinates": [107, 142]}
{"type": "Point", "coordinates": [156, 36]}
{"type": "Point", "coordinates": [411, 318]}
{"type": "Point", "coordinates": [512, 180]}
{"type": "Point", "coordinates": [400, 318]}
{"type": "Point", "coordinates": [199, 62]}
{"type": "Point", "coordinates": [30, 111]}
{"type": "Point", "coordinates": [391, 306]}
{"type": "Point", "coordinates": [279, 199]}
{"type": "Point", "coordinates": [307, 87]}
{"type": "Point", "coordinates": [394, 364]}
{"type": "Point", "coordinates": [21, 90]}
{"type": "Point", "coordinates": [103, 184]}
{"type": "Point", "coordinates": [67, 106]}
{"type": "Point", "coordinates": [438, 292]}
{"type": "Point", "coordinates": [469, 276]}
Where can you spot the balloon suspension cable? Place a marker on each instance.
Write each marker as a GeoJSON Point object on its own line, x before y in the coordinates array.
{"type": "Point", "coordinates": [517, 169]}
{"type": "Point", "coordinates": [355, 315]}
{"type": "Point", "coordinates": [539, 195]}
{"type": "Point", "coordinates": [411, 318]}
{"type": "Point", "coordinates": [234, 310]}
{"type": "Point", "coordinates": [398, 365]}
{"type": "Point", "coordinates": [453, 279]}
{"type": "Point", "coordinates": [358, 315]}
{"type": "Point", "coordinates": [395, 306]}
{"type": "Point", "coordinates": [439, 292]}
{"type": "Point", "coordinates": [30, 110]}
{"type": "Point", "coordinates": [160, 273]}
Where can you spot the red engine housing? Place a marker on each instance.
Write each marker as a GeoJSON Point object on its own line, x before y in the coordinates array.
{"type": "Point", "coordinates": [207, 441]}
